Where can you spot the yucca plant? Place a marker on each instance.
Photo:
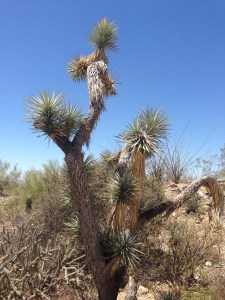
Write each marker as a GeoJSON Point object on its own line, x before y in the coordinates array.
{"type": "Point", "coordinates": [50, 115]}
{"type": "Point", "coordinates": [89, 164]}
{"type": "Point", "coordinates": [123, 250]}
{"type": "Point", "coordinates": [124, 187]}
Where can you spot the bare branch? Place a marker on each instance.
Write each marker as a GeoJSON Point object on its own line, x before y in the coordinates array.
{"type": "Point", "coordinates": [167, 208]}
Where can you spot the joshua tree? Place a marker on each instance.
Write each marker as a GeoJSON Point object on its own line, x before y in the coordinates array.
{"type": "Point", "coordinates": [71, 130]}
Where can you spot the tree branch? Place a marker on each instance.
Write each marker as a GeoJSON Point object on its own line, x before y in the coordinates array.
{"type": "Point", "coordinates": [167, 208]}
{"type": "Point", "coordinates": [63, 143]}
{"type": "Point", "coordinates": [96, 87]}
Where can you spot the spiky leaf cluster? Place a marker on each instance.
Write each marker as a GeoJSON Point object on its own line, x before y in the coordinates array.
{"type": "Point", "coordinates": [124, 187]}
{"type": "Point", "coordinates": [146, 132]}
{"type": "Point", "coordinates": [104, 35]}
{"type": "Point", "coordinates": [77, 68]}
{"type": "Point", "coordinates": [51, 116]}
{"type": "Point", "coordinates": [125, 249]}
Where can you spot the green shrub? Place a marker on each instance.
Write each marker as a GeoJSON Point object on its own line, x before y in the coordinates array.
{"type": "Point", "coordinates": [153, 194]}
{"type": "Point", "coordinates": [194, 203]}
{"type": "Point", "coordinates": [168, 295]}
{"type": "Point", "coordinates": [177, 253]}
{"type": "Point", "coordinates": [9, 178]}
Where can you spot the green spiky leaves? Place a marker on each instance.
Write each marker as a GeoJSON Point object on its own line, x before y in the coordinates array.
{"type": "Point", "coordinates": [123, 250]}
{"type": "Point", "coordinates": [124, 187]}
{"type": "Point", "coordinates": [104, 35]}
{"type": "Point", "coordinates": [50, 115]}
{"type": "Point", "coordinates": [77, 68]}
{"type": "Point", "coordinates": [146, 131]}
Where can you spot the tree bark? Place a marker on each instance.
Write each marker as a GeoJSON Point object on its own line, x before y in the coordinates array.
{"type": "Point", "coordinates": [107, 287]}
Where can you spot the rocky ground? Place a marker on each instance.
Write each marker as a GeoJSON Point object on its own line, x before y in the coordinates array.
{"type": "Point", "coordinates": [203, 217]}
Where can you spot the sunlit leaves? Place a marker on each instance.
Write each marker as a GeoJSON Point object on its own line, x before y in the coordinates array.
{"type": "Point", "coordinates": [146, 131]}
{"type": "Point", "coordinates": [50, 115]}
{"type": "Point", "coordinates": [77, 68]}
{"type": "Point", "coordinates": [104, 35]}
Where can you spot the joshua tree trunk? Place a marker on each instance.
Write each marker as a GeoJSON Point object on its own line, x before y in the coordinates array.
{"type": "Point", "coordinates": [107, 287]}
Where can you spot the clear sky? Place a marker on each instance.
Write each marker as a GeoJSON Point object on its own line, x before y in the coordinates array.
{"type": "Point", "coordinates": [171, 56]}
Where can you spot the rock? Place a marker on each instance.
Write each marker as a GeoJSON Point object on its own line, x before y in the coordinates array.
{"type": "Point", "coordinates": [178, 190]}
{"type": "Point", "coordinates": [208, 264]}
{"type": "Point", "coordinates": [142, 290]}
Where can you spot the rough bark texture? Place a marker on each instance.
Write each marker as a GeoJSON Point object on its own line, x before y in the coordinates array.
{"type": "Point", "coordinates": [107, 287]}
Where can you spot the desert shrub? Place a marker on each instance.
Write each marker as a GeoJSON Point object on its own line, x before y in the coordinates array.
{"type": "Point", "coordinates": [198, 294]}
{"type": "Point", "coordinates": [153, 194]}
{"type": "Point", "coordinates": [9, 178]}
{"type": "Point", "coordinates": [53, 210]}
{"type": "Point", "coordinates": [35, 181]}
{"type": "Point", "coordinates": [34, 268]}
{"type": "Point", "coordinates": [208, 165]}
{"type": "Point", "coordinates": [11, 207]}
{"type": "Point", "coordinates": [54, 204]}
{"type": "Point", "coordinates": [193, 203]}
{"type": "Point", "coordinates": [156, 167]}
{"type": "Point", "coordinates": [178, 161]}
{"type": "Point", "coordinates": [177, 254]}
{"type": "Point", "coordinates": [32, 184]}
{"type": "Point", "coordinates": [168, 295]}
{"type": "Point", "coordinates": [218, 286]}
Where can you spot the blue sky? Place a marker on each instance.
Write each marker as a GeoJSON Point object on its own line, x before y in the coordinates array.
{"type": "Point", "coordinates": [171, 57]}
